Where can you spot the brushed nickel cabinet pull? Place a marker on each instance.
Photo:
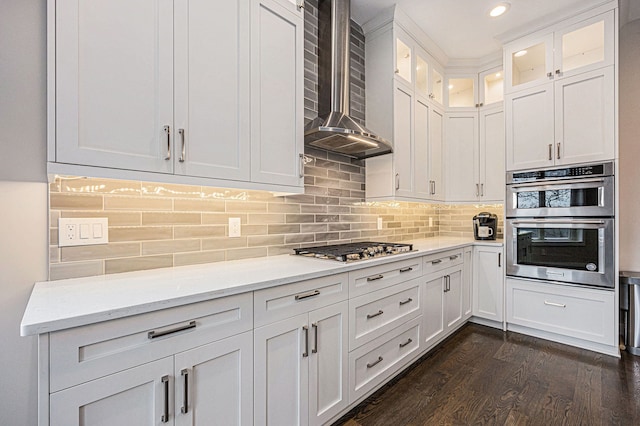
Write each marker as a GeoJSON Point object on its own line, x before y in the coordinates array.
{"type": "Point", "coordinates": [377, 314]}
{"type": "Point", "coordinates": [558, 153]}
{"type": "Point", "coordinates": [376, 362]}
{"type": "Point", "coordinates": [167, 133]}
{"type": "Point", "coordinates": [301, 174]}
{"type": "Point", "coordinates": [402, 345]}
{"type": "Point", "coordinates": [435, 262]}
{"type": "Point", "coordinates": [183, 151]}
{"type": "Point", "coordinates": [306, 341]}
{"type": "Point", "coordinates": [477, 189]}
{"type": "Point", "coordinates": [550, 74]}
{"type": "Point", "coordinates": [404, 302]}
{"type": "Point", "coordinates": [499, 260]}
{"type": "Point", "coordinates": [550, 151]}
{"type": "Point", "coordinates": [559, 305]}
{"type": "Point", "coordinates": [454, 257]}
{"type": "Point", "coordinates": [376, 278]}
{"type": "Point", "coordinates": [482, 189]}
{"type": "Point", "coordinates": [185, 391]}
{"type": "Point", "coordinates": [303, 296]}
{"type": "Point", "coordinates": [165, 413]}
{"type": "Point", "coordinates": [300, 4]}
{"type": "Point", "coordinates": [558, 72]}
{"type": "Point", "coordinates": [315, 338]}
{"type": "Point", "coordinates": [397, 181]}
{"type": "Point", "coordinates": [407, 269]}
{"type": "Point", "coordinates": [481, 104]}
{"type": "Point", "coordinates": [154, 334]}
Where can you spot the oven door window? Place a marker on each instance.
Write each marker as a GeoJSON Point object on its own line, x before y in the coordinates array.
{"type": "Point", "coordinates": [566, 248]}
{"type": "Point", "coordinates": [558, 198]}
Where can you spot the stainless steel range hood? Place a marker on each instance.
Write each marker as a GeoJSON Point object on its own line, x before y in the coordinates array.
{"type": "Point", "coordinates": [333, 129]}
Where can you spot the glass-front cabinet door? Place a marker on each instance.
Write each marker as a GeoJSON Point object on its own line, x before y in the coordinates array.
{"type": "Point", "coordinates": [585, 46]}
{"type": "Point", "coordinates": [437, 86]}
{"type": "Point", "coordinates": [404, 58]}
{"type": "Point", "coordinates": [491, 86]}
{"type": "Point", "coordinates": [422, 75]}
{"type": "Point", "coordinates": [530, 62]}
{"type": "Point", "coordinates": [462, 92]}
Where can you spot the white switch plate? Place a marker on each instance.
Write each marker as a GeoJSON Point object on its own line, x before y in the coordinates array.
{"type": "Point", "coordinates": [234, 227]}
{"type": "Point", "coordinates": [74, 231]}
{"type": "Point", "coordinates": [430, 222]}
{"type": "Point", "coordinates": [379, 223]}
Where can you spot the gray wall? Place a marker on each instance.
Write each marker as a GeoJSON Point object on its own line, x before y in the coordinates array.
{"type": "Point", "coordinates": [629, 176]}
{"type": "Point", "coordinates": [23, 195]}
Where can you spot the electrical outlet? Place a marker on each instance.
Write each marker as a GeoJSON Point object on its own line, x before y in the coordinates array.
{"type": "Point", "coordinates": [379, 223]}
{"type": "Point", "coordinates": [74, 231]}
{"type": "Point", "coordinates": [430, 222]}
{"type": "Point", "coordinates": [234, 227]}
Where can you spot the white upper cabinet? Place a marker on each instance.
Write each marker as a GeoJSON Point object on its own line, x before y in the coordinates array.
{"type": "Point", "coordinates": [569, 50]}
{"type": "Point", "coordinates": [114, 84]}
{"type": "Point", "coordinates": [148, 86]}
{"type": "Point", "coordinates": [462, 91]}
{"type": "Point", "coordinates": [404, 57]}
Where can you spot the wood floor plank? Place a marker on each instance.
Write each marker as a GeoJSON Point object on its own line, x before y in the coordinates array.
{"type": "Point", "coordinates": [483, 376]}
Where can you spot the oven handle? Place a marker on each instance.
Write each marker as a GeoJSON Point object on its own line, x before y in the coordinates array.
{"type": "Point", "coordinates": [560, 221]}
{"type": "Point", "coordinates": [556, 183]}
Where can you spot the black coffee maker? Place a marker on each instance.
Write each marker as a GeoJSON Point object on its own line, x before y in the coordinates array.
{"type": "Point", "coordinates": [485, 226]}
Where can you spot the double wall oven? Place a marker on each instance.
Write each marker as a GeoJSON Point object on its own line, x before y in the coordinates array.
{"type": "Point", "coordinates": [560, 225]}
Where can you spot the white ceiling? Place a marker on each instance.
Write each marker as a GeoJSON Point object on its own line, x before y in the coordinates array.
{"type": "Point", "coordinates": [463, 28]}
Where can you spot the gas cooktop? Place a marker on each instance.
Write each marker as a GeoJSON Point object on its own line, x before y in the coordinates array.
{"type": "Point", "coordinates": [349, 252]}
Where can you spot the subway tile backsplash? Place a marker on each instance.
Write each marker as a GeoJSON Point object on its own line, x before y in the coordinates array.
{"type": "Point", "coordinates": [153, 225]}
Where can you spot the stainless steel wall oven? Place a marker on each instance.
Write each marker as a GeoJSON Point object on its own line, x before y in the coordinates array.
{"type": "Point", "coordinates": [560, 225]}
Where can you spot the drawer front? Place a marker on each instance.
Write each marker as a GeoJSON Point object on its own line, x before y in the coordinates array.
{"type": "Point", "coordinates": [364, 281]}
{"type": "Point", "coordinates": [375, 313]}
{"type": "Point", "coordinates": [570, 311]}
{"type": "Point", "coordinates": [285, 301]}
{"type": "Point", "coordinates": [439, 261]}
{"type": "Point", "coordinates": [371, 364]}
{"type": "Point", "coordinates": [85, 353]}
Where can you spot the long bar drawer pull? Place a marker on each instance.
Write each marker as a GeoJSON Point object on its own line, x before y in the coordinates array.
{"type": "Point", "coordinates": [559, 305]}
{"type": "Point", "coordinates": [377, 314]}
{"type": "Point", "coordinates": [404, 302]}
{"type": "Point", "coordinates": [306, 341]}
{"type": "Point", "coordinates": [165, 412]}
{"type": "Point", "coordinates": [374, 363]}
{"type": "Point", "coordinates": [154, 334]}
{"type": "Point", "coordinates": [407, 269]}
{"type": "Point", "coordinates": [376, 278]}
{"type": "Point", "coordinates": [402, 345]}
{"type": "Point", "coordinates": [454, 257]}
{"type": "Point", "coordinates": [303, 296]}
{"type": "Point", "coordinates": [435, 262]}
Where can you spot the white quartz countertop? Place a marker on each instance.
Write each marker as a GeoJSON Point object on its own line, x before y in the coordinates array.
{"type": "Point", "coordinates": [58, 305]}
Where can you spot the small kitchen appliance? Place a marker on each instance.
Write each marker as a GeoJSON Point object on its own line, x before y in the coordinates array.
{"type": "Point", "coordinates": [485, 226]}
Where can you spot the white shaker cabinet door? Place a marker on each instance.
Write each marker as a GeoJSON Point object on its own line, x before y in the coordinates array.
{"type": "Point", "coordinates": [328, 375]}
{"type": "Point", "coordinates": [281, 372]}
{"type": "Point", "coordinates": [488, 283]}
{"type": "Point", "coordinates": [530, 128]}
{"type": "Point", "coordinates": [402, 141]}
{"type": "Point", "coordinates": [214, 383]}
{"type": "Point", "coordinates": [276, 93]}
{"type": "Point", "coordinates": [585, 117]}
{"type": "Point", "coordinates": [461, 133]}
{"type": "Point", "coordinates": [433, 314]}
{"type": "Point", "coordinates": [453, 299]}
{"type": "Point", "coordinates": [212, 89]}
{"type": "Point", "coordinates": [492, 154]}
{"type": "Point", "coordinates": [139, 396]}
{"type": "Point", "coordinates": [436, 154]}
{"type": "Point", "coordinates": [114, 84]}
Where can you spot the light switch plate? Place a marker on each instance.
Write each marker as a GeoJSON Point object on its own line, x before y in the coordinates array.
{"type": "Point", "coordinates": [74, 231]}
{"type": "Point", "coordinates": [379, 223]}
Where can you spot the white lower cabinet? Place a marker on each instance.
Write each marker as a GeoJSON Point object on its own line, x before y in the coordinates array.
{"type": "Point", "coordinates": [213, 382]}
{"type": "Point", "coordinates": [301, 368]}
{"type": "Point", "coordinates": [488, 283]}
{"type": "Point", "coordinates": [443, 304]}
{"type": "Point", "coordinates": [569, 311]}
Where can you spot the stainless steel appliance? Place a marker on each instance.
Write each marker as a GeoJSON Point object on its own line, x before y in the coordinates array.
{"type": "Point", "coordinates": [485, 226]}
{"type": "Point", "coordinates": [560, 225]}
{"type": "Point", "coordinates": [350, 252]}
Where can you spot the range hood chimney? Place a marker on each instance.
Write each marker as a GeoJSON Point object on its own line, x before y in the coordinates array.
{"type": "Point", "coordinates": [333, 129]}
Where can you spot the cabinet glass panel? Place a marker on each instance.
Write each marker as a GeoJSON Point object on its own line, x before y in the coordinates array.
{"type": "Point", "coordinates": [422, 76]}
{"type": "Point", "coordinates": [528, 64]}
{"type": "Point", "coordinates": [493, 87]}
{"type": "Point", "coordinates": [436, 86]}
{"type": "Point", "coordinates": [403, 60]}
{"type": "Point", "coordinates": [461, 92]}
{"type": "Point", "coordinates": [582, 47]}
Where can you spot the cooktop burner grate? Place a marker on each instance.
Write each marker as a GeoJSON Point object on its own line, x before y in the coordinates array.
{"type": "Point", "coordinates": [354, 251]}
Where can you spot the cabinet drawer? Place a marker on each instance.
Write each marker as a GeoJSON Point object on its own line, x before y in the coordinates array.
{"type": "Point", "coordinates": [285, 301]}
{"type": "Point", "coordinates": [364, 281]}
{"type": "Point", "coordinates": [376, 313]}
{"type": "Point", "coordinates": [372, 363]}
{"type": "Point", "coordinates": [570, 311]}
{"type": "Point", "coordinates": [86, 353]}
{"type": "Point", "coordinates": [439, 261]}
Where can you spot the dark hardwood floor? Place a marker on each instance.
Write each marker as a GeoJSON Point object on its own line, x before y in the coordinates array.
{"type": "Point", "coordinates": [482, 376]}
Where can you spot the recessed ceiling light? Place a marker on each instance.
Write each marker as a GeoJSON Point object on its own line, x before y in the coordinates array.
{"type": "Point", "coordinates": [499, 9]}
{"type": "Point", "coordinates": [520, 53]}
